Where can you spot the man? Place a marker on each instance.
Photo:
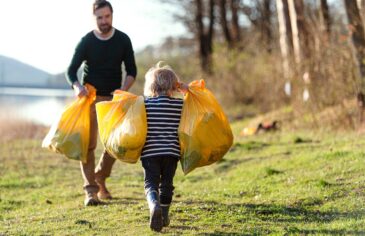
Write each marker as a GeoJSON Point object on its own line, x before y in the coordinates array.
{"type": "Point", "coordinates": [103, 51]}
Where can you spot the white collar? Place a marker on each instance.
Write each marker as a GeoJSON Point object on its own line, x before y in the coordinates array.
{"type": "Point", "coordinates": [104, 39]}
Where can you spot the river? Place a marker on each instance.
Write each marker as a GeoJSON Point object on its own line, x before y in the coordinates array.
{"type": "Point", "coordinates": [42, 106]}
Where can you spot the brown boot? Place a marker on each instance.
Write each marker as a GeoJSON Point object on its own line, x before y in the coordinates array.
{"type": "Point", "coordinates": [91, 199]}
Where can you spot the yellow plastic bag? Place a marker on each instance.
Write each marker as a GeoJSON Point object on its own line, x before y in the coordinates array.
{"type": "Point", "coordinates": [71, 133]}
{"type": "Point", "coordinates": [123, 126]}
{"type": "Point", "coordinates": [204, 131]}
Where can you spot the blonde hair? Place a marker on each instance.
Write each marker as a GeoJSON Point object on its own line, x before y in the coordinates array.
{"type": "Point", "coordinates": [160, 80]}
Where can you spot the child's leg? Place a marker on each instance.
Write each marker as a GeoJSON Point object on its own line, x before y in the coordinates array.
{"type": "Point", "coordinates": [168, 170]}
{"type": "Point", "coordinates": [152, 173]}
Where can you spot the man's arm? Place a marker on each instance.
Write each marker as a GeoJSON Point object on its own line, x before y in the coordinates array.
{"type": "Point", "coordinates": [129, 81]}
{"type": "Point", "coordinates": [130, 66]}
{"type": "Point", "coordinates": [71, 73]}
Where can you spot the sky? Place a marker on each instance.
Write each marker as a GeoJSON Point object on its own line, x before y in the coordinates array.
{"type": "Point", "coordinates": [44, 33]}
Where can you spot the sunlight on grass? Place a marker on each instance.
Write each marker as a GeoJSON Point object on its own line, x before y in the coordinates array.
{"type": "Point", "coordinates": [275, 183]}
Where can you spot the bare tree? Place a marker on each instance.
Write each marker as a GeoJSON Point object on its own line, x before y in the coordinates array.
{"type": "Point", "coordinates": [288, 24]}
{"type": "Point", "coordinates": [283, 38]}
{"type": "Point", "coordinates": [295, 31]}
{"type": "Point", "coordinates": [235, 25]}
{"type": "Point", "coordinates": [205, 36]}
{"type": "Point", "coordinates": [358, 40]}
{"type": "Point", "coordinates": [266, 24]}
{"type": "Point", "coordinates": [326, 17]}
{"type": "Point", "coordinates": [259, 14]}
{"type": "Point", "coordinates": [223, 21]}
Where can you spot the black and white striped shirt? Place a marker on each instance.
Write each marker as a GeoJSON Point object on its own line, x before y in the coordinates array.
{"type": "Point", "coordinates": [163, 119]}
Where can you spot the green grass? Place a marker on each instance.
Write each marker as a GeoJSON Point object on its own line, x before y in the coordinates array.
{"type": "Point", "coordinates": [277, 183]}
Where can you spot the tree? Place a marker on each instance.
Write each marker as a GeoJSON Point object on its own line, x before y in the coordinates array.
{"type": "Point", "coordinates": [259, 14]}
{"type": "Point", "coordinates": [205, 36]}
{"type": "Point", "coordinates": [266, 24]}
{"type": "Point", "coordinates": [358, 40]}
{"type": "Point", "coordinates": [224, 23]}
{"type": "Point", "coordinates": [280, 7]}
{"type": "Point", "coordinates": [295, 31]}
{"type": "Point", "coordinates": [326, 17]}
{"type": "Point", "coordinates": [236, 34]}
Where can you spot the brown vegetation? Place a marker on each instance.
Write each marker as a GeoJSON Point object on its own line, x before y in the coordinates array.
{"type": "Point", "coordinates": [20, 129]}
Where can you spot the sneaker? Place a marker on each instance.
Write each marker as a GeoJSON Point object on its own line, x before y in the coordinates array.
{"type": "Point", "coordinates": [91, 199]}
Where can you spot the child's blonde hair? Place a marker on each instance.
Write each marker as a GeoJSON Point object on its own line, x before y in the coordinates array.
{"type": "Point", "coordinates": [160, 80]}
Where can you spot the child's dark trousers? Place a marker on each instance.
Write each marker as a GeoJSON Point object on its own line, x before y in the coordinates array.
{"type": "Point", "coordinates": [159, 173]}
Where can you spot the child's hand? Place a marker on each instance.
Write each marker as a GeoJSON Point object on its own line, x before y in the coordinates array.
{"type": "Point", "coordinates": [183, 87]}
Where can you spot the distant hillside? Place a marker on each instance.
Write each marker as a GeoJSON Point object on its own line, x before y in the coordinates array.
{"type": "Point", "coordinates": [18, 74]}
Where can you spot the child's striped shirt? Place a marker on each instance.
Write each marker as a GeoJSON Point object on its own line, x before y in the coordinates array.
{"type": "Point", "coordinates": [163, 119]}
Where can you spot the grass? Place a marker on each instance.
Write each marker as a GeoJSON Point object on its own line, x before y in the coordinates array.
{"type": "Point", "coordinates": [275, 183]}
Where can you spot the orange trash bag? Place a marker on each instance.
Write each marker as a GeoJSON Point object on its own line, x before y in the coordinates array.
{"type": "Point", "coordinates": [123, 125]}
{"type": "Point", "coordinates": [204, 131]}
{"type": "Point", "coordinates": [70, 134]}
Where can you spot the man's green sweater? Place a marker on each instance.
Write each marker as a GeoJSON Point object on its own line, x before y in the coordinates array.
{"type": "Point", "coordinates": [103, 61]}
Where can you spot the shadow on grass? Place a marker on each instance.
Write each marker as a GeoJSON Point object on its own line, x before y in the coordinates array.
{"type": "Point", "coordinates": [124, 201]}
{"type": "Point", "coordinates": [225, 165]}
{"type": "Point", "coordinates": [285, 217]}
{"type": "Point", "coordinates": [251, 145]}
{"type": "Point", "coordinates": [183, 227]}
{"type": "Point", "coordinates": [326, 231]}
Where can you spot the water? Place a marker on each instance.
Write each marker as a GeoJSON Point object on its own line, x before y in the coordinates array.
{"type": "Point", "coordinates": [42, 106]}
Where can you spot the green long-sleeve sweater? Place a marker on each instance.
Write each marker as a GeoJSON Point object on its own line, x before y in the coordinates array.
{"type": "Point", "coordinates": [103, 61]}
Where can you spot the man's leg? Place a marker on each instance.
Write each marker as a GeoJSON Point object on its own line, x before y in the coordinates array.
{"type": "Point", "coordinates": [104, 167]}
{"type": "Point", "coordinates": [103, 171]}
{"type": "Point", "coordinates": [87, 169]}
{"type": "Point", "coordinates": [168, 169]}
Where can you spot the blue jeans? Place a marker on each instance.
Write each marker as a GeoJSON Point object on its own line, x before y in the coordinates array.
{"type": "Point", "coordinates": [159, 173]}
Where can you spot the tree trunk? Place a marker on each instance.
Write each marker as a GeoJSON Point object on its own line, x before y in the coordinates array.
{"type": "Point", "coordinates": [280, 7]}
{"type": "Point", "coordinates": [266, 24]}
{"type": "Point", "coordinates": [205, 37]}
{"type": "Point", "coordinates": [224, 24]}
{"type": "Point", "coordinates": [288, 24]}
{"type": "Point", "coordinates": [326, 17]}
{"type": "Point", "coordinates": [358, 41]}
{"type": "Point", "coordinates": [235, 25]}
{"type": "Point", "coordinates": [295, 32]}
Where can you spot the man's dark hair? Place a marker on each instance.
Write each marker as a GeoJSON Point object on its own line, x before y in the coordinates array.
{"type": "Point", "coordinates": [100, 4]}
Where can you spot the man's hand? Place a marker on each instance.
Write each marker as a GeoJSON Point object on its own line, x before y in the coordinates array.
{"type": "Point", "coordinates": [80, 91]}
{"type": "Point", "coordinates": [129, 81]}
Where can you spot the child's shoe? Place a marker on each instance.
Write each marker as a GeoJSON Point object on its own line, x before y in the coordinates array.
{"type": "Point", "coordinates": [165, 214]}
{"type": "Point", "coordinates": [155, 211]}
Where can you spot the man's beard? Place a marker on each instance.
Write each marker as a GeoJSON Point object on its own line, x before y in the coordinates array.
{"type": "Point", "coordinates": [104, 29]}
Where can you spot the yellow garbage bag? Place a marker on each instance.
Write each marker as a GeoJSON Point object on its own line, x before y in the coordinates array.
{"type": "Point", "coordinates": [204, 131]}
{"type": "Point", "coordinates": [70, 134]}
{"type": "Point", "coordinates": [123, 126]}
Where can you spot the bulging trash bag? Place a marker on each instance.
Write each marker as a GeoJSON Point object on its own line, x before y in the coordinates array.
{"type": "Point", "coordinates": [204, 131]}
{"type": "Point", "coordinates": [70, 134]}
{"type": "Point", "coordinates": [123, 126]}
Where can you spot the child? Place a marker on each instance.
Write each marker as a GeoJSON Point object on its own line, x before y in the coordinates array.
{"type": "Point", "coordinates": [161, 151]}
